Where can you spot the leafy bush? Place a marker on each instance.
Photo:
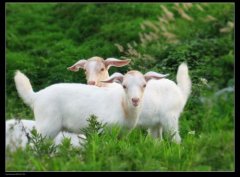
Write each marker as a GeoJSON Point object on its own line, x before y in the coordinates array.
{"type": "Point", "coordinates": [40, 145]}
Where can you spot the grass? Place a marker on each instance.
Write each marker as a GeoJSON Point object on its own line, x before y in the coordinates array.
{"type": "Point", "coordinates": [135, 153]}
{"type": "Point", "coordinates": [42, 40]}
{"type": "Point", "coordinates": [208, 145]}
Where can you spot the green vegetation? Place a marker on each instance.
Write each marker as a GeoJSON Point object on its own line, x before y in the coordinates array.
{"type": "Point", "coordinates": [44, 39]}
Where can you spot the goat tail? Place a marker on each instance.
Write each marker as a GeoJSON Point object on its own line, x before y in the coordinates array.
{"type": "Point", "coordinates": [184, 81]}
{"type": "Point", "coordinates": [24, 88]}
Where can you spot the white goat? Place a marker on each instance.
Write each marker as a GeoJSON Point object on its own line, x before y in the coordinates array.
{"type": "Point", "coordinates": [67, 106]}
{"type": "Point", "coordinates": [96, 69]}
{"type": "Point", "coordinates": [162, 103]}
{"type": "Point", "coordinates": [19, 131]}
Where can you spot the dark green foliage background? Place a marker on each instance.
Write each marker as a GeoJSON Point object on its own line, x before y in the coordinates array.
{"type": "Point", "coordinates": [44, 39]}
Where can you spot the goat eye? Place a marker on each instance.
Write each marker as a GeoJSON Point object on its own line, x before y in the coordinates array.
{"type": "Point", "coordinates": [102, 69]}
{"type": "Point", "coordinates": [144, 85]}
{"type": "Point", "coordinates": [124, 86]}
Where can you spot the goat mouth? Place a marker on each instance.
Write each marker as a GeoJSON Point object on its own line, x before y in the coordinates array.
{"type": "Point", "coordinates": [135, 104]}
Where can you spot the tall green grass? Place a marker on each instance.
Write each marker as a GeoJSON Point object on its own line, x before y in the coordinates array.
{"type": "Point", "coordinates": [208, 145]}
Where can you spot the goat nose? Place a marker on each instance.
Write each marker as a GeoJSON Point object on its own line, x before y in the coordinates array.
{"type": "Point", "coordinates": [91, 82]}
{"type": "Point", "coordinates": [135, 100]}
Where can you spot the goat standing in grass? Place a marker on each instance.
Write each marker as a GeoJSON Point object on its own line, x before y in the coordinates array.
{"type": "Point", "coordinates": [96, 71]}
{"type": "Point", "coordinates": [67, 106]}
{"type": "Point", "coordinates": [163, 100]}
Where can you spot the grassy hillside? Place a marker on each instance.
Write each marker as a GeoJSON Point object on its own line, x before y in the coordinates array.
{"type": "Point", "coordinates": [43, 39]}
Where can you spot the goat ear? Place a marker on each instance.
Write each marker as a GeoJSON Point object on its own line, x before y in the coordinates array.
{"type": "Point", "coordinates": [76, 66]}
{"type": "Point", "coordinates": [153, 75]}
{"type": "Point", "coordinates": [115, 62]}
{"type": "Point", "coordinates": [116, 77]}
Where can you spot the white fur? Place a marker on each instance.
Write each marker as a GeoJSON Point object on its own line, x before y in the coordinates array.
{"type": "Point", "coordinates": [76, 140]}
{"type": "Point", "coordinates": [67, 106]}
{"type": "Point", "coordinates": [163, 103]}
{"type": "Point", "coordinates": [17, 132]}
